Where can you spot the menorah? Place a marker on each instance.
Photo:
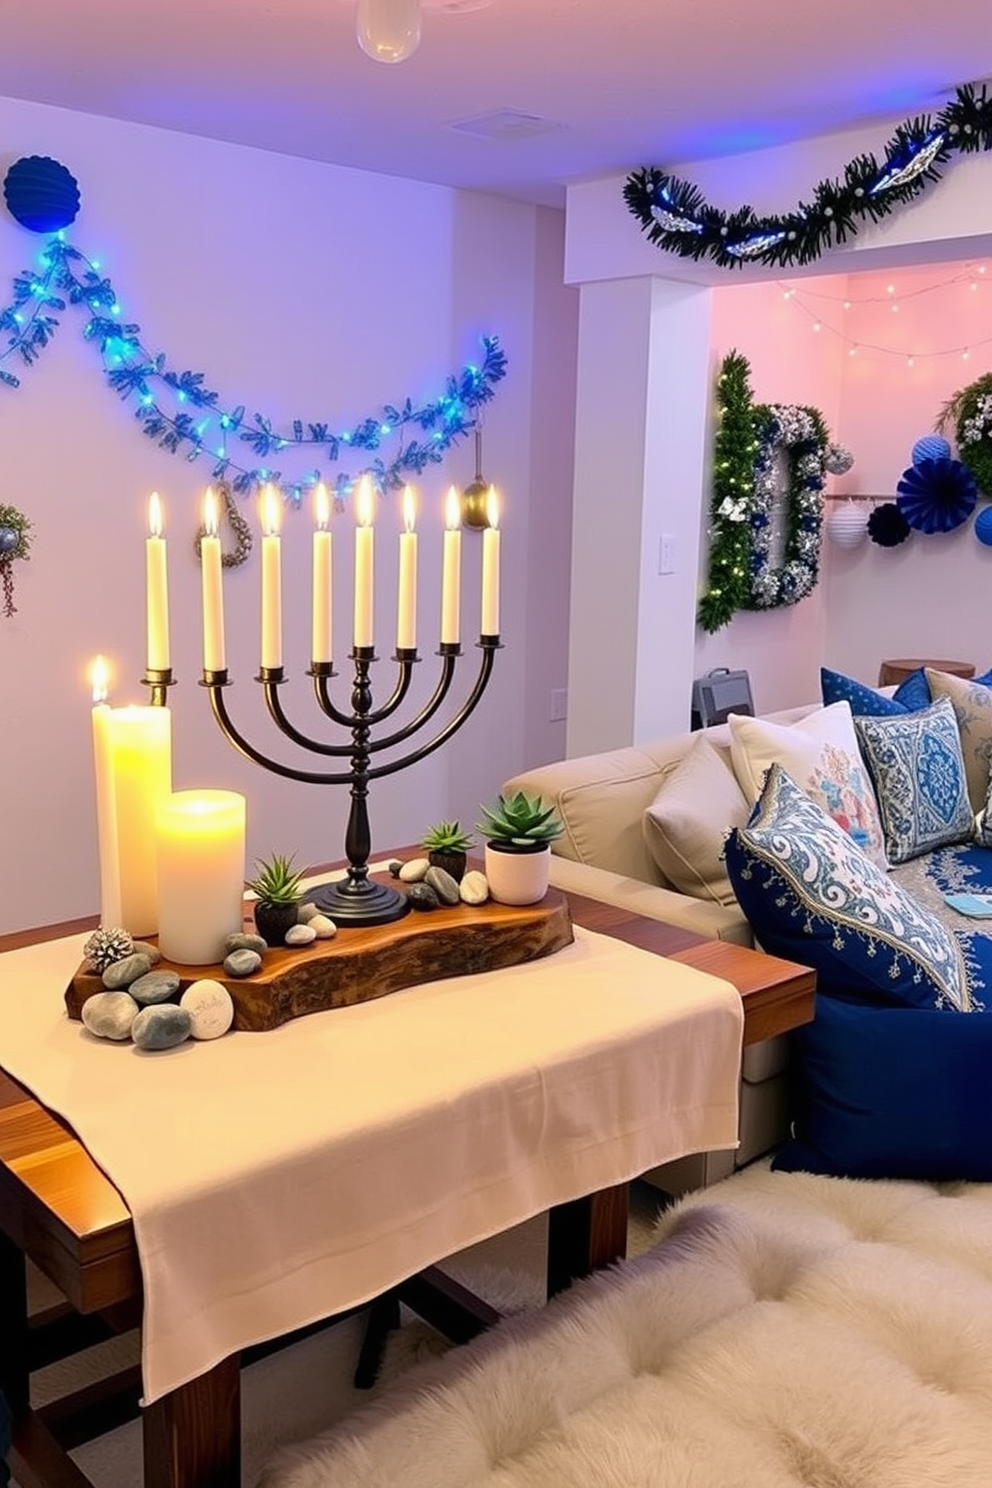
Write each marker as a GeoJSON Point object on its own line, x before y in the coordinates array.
{"type": "Point", "coordinates": [356, 899]}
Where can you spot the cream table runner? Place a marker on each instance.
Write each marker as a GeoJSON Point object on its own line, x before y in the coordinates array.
{"type": "Point", "coordinates": [276, 1178]}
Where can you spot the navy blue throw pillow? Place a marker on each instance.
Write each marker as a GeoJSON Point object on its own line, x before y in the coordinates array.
{"type": "Point", "coordinates": [866, 702]}
{"type": "Point", "coordinates": [892, 1093]}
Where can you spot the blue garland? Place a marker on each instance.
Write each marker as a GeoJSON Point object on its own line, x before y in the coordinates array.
{"type": "Point", "coordinates": [196, 425]}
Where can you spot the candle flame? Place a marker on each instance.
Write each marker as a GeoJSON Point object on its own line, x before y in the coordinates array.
{"type": "Point", "coordinates": [321, 505]}
{"type": "Point", "coordinates": [409, 509]}
{"type": "Point", "coordinates": [492, 507]}
{"type": "Point", "coordinates": [452, 510]}
{"type": "Point", "coordinates": [155, 515]}
{"type": "Point", "coordinates": [271, 513]}
{"type": "Point", "coordinates": [210, 515]}
{"type": "Point", "coordinates": [363, 503]}
{"type": "Point", "coordinates": [100, 678]}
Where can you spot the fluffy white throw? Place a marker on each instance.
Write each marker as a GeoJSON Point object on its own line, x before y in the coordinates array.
{"type": "Point", "coordinates": [788, 1332]}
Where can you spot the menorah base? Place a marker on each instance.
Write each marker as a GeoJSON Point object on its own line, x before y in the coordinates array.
{"type": "Point", "coordinates": [366, 903]}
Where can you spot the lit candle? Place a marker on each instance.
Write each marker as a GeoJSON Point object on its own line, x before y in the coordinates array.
{"type": "Point", "coordinates": [490, 566]}
{"type": "Point", "coordinates": [156, 589]}
{"type": "Point", "coordinates": [106, 811]}
{"type": "Point", "coordinates": [322, 552]}
{"type": "Point", "coordinates": [451, 570]}
{"type": "Point", "coordinates": [213, 592]}
{"type": "Point", "coordinates": [406, 625]}
{"type": "Point", "coordinates": [200, 840]}
{"type": "Point", "coordinates": [271, 579]}
{"type": "Point", "coordinates": [364, 549]}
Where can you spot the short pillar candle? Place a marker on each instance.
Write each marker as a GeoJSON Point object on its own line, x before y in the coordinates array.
{"type": "Point", "coordinates": [201, 866]}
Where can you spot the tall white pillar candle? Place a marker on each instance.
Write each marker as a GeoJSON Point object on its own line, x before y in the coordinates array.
{"type": "Point", "coordinates": [406, 624]}
{"type": "Point", "coordinates": [490, 567]}
{"type": "Point", "coordinates": [451, 570]}
{"type": "Point", "coordinates": [106, 810]}
{"type": "Point", "coordinates": [214, 657]}
{"type": "Point", "coordinates": [200, 837]}
{"type": "Point", "coordinates": [139, 766]}
{"type": "Point", "coordinates": [321, 647]}
{"type": "Point", "coordinates": [271, 579]}
{"type": "Point", "coordinates": [156, 589]}
{"type": "Point", "coordinates": [364, 566]}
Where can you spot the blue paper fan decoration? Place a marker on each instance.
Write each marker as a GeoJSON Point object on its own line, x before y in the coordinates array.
{"type": "Point", "coordinates": [41, 194]}
{"type": "Point", "coordinates": [887, 526]}
{"type": "Point", "coordinates": [937, 495]}
{"type": "Point", "coordinates": [931, 447]}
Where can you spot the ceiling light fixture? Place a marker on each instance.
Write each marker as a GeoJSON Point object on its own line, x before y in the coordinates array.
{"type": "Point", "coordinates": [389, 30]}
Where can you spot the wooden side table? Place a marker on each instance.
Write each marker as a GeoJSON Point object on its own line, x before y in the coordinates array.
{"type": "Point", "coordinates": [891, 673]}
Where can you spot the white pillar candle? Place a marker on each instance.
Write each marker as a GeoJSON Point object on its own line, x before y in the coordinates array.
{"type": "Point", "coordinates": [490, 567]}
{"type": "Point", "coordinates": [271, 579]}
{"type": "Point", "coordinates": [406, 624]}
{"type": "Point", "coordinates": [364, 556]}
{"type": "Point", "coordinates": [156, 589]}
{"type": "Point", "coordinates": [451, 570]}
{"type": "Point", "coordinates": [106, 811]}
{"type": "Point", "coordinates": [214, 659]}
{"type": "Point", "coordinates": [200, 838]}
{"type": "Point", "coordinates": [136, 765]}
{"type": "Point", "coordinates": [321, 648]}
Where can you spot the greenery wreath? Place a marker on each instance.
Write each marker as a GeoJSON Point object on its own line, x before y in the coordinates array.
{"type": "Point", "coordinates": [749, 438]}
{"type": "Point", "coordinates": [678, 219]}
{"type": "Point", "coordinates": [970, 414]}
{"type": "Point", "coordinates": [15, 542]}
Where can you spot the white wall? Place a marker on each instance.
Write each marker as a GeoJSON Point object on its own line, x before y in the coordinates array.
{"type": "Point", "coordinates": [305, 291]}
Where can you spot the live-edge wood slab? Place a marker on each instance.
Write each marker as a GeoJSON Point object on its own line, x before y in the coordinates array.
{"type": "Point", "coordinates": [359, 964]}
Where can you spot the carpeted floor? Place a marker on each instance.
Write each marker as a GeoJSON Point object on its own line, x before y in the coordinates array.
{"type": "Point", "coordinates": [308, 1387]}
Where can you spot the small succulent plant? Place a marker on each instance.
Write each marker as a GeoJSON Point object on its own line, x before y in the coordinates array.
{"type": "Point", "coordinates": [276, 881]}
{"type": "Point", "coordinates": [520, 821]}
{"type": "Point", "coordinates": [446, 836]}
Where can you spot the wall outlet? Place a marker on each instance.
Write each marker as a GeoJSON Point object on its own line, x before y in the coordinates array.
{"type": "Point", "coordinates": [559, 704]}
{"type": "Point", "coordinates": [666, 553]}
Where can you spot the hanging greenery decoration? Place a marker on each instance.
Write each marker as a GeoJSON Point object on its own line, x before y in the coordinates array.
{"type": "Point", "coordinates": [751, 440]}
{"type": "Point", "coordinates": [185, 416]}
{"type": "Point", "coordinates": [969, 415]}
{"type": "Point", "coordinates": [15, 542]}
{"type": "Point", "coordinates": [677, 218]}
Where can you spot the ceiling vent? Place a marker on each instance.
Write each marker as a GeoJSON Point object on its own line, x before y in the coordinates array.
{"type": "Point", "coordinates": [507, 124]}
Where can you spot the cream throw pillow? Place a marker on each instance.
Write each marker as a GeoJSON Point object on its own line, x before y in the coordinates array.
{"type": "Point", "coordinates": [820, 753]}
{"type": "Point", "coordinates": [686, 824]}
{"type": "Point", "coordinates": [972, 703]}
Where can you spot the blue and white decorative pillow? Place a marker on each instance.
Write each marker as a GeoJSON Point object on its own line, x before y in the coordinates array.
{"type": "Point", "coordinates": [918, 770]}
{"type": "Point", "coordinates": [811, 895]}
{"type": "Point", "coordinates": [865, 701]}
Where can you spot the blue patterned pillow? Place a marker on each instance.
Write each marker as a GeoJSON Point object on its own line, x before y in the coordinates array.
{"type": "Point", "coordinates": [866, 702]}
{"type": "Point", "coordinates": [918, 770]}
{"type": "Point", "coordinates": [811, 895]}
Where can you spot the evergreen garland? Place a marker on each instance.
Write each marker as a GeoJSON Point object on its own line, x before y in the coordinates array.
{"type": "Point", "coordinates": [734, 453]}
{"type": "Point", "coordinates": [15, 530]}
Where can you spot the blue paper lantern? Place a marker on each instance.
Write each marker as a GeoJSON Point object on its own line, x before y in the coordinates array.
{"type": "Point", "coordinates": [41, 194]}
{"type": "Point", "coordinates": [983, 526]}
{"type": "Point", "coordinates": [931, 447]}
{"type": "Point", "coordinates": [936, 495]}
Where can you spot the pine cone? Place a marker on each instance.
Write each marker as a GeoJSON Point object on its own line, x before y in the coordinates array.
{"type": "Point", "coordinates": [104, 947]}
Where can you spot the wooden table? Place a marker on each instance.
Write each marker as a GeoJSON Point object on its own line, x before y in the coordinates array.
{"type": "Point", "coordinates": [58, 1209]}
{"type": "Point", "coordinates": [891, 673]}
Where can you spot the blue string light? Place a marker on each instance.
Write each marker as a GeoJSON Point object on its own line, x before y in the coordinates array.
{"type": "Point", "coordinates": [424, 432]}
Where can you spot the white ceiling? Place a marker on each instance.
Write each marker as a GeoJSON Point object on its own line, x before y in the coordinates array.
{"type": "Point", "coordinates": [624, 82]}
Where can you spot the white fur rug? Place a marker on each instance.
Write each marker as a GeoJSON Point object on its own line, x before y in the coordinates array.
{"type": "Point", "coordinates": [789, 1332]}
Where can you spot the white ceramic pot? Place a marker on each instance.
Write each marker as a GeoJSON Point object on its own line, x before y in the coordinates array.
{"type": "Point", "coordinates": [518, 875]}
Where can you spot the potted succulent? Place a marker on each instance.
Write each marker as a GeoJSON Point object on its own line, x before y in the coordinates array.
{"type": "Point", "coordinates": [276, 886]}
{"type": "Point", "coordinates": [446, 845]}
{"type": "Point", "coordinates": [519, 830]}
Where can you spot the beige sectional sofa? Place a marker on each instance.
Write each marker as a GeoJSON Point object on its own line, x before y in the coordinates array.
{"type": "Point", "coordinates": [623, 811]}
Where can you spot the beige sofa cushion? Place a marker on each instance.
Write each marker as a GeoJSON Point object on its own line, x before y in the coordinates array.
{"type": "Point", "coordinates": [972, 702]}
{"type": "Point", "coordinates": [688, 820]}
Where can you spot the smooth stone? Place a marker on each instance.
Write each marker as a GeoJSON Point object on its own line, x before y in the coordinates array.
{"type": "Point", "coordinates": [443, 884]}
{"type": "Point", "coordinates": [244, 940]}
{"type": "Point", "coordinates": [242, 963]}
{"type": "Point", "coordinates": [161, 1026]}
{"type": "Point", "coordinates": [394, 865]}
{"type": "Point", "coordinates": [323, 928]}
{"type": "Point", "coordinates": [123, 973]}
{"type": "Point", "coordinates": [474, 888]}
{"type": "Point", "coordinates": [306, 913]}
{"type": "Point", "coordinates": [414, 871]}
{"type": "Point", "coordinates": [154, 986]}
{"type": "Point", "coordinates": [422, 896]}
{"type": "Point", "coordinates": [109, 1015]}
{"type": "Point", "coordinates": [300, 935]}
{"type": "Point", "coordinates": [145, 948]}
{"type": "Point", "coordinates": [210, 1007]}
